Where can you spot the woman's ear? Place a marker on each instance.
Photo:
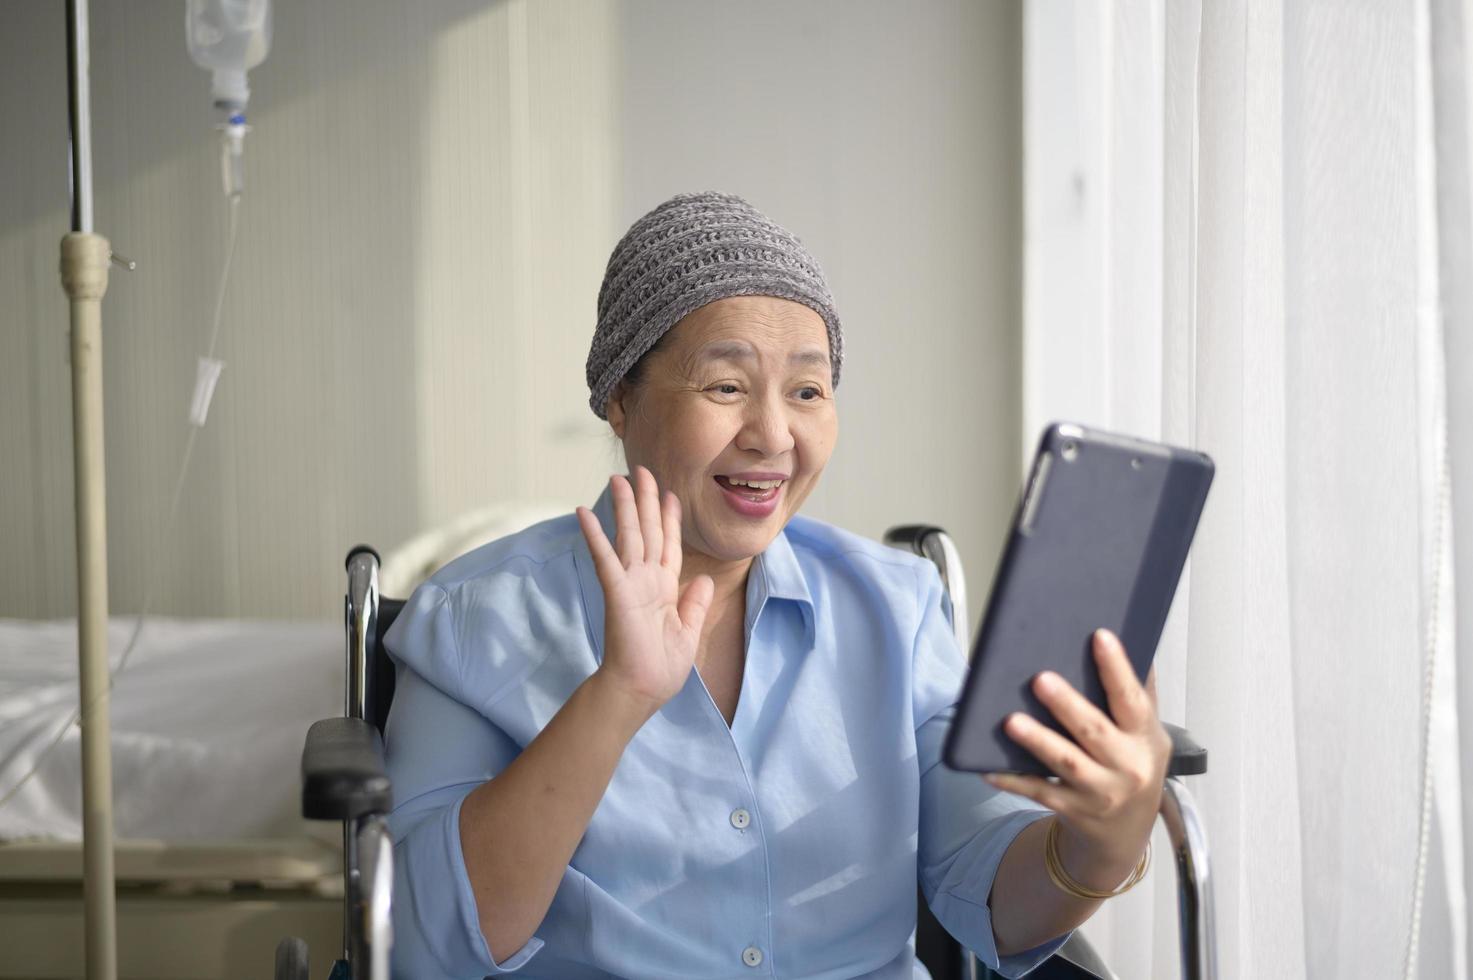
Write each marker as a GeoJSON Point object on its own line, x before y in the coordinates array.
{"type": "Point", "coordinates": [617, 410]}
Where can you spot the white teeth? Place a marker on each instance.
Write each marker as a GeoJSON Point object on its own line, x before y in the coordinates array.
{"type": "Point", "coordinates": [754, 484]}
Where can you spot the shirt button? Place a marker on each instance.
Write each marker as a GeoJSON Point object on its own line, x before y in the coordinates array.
{"type": "Point", "coordinates": [752, 956]}
{"type": "Point", "coordinates": [741, 819]}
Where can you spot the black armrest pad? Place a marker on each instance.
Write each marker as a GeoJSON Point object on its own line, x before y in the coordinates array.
{"type": "Point", "coordinates": [343, 771]}
{"type": "Point", "coordinates": [1187, 757]}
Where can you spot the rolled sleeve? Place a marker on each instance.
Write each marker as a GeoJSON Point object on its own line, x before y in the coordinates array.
{"type": "Point", "coordinates": [437, 908]}
{"type": "Point", "coordinates": [964, 835]}
{"type": "Point", "coordinates": [438, 750]}
{"type": "Point", "coordinates": [966, 826]}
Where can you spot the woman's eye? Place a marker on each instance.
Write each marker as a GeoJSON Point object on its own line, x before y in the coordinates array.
{"type": "Point", "coordinates": [809, 394]}
{"type": "Point", "coordinates": [726, 389]}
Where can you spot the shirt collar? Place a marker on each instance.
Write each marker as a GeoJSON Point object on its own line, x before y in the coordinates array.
{"type": "Point", "coordinates": [775, 574]}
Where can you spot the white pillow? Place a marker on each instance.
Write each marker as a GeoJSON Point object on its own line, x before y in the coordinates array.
{"type": "Point", "coordinates": [411, 563]}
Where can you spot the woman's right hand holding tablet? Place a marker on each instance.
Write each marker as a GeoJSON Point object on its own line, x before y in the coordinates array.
{"type": "Point", "coordinates": [652, 627]}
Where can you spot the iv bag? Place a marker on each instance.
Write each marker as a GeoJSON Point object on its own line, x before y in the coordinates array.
{"type": "Point", "coordinates": [228, 37]}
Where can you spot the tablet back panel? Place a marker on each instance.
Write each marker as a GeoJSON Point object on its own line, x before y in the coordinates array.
{"type": "Point", "coordinates": [1099, 540]}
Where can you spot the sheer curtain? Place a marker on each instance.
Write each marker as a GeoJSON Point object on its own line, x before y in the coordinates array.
{"type": "Point", "coordinates": [1247, 230]}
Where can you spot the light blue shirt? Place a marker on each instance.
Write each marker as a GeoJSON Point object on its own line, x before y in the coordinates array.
{"type": "Point", "coordinates": [787, 845]}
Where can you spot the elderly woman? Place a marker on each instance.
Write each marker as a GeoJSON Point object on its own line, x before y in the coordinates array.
{"type": "Point", "coordinates": [689, 733]}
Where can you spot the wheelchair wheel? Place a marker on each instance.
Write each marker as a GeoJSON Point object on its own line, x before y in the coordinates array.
{"type": "Point", "coordinates": [291, 960]}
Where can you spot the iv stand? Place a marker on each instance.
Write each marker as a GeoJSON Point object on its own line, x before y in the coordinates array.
{"type": "Point", "coordinates": [84, 266]}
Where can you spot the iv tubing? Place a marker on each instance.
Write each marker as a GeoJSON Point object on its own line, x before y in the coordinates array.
{"type": "Point", "coordinates": [151, 580]}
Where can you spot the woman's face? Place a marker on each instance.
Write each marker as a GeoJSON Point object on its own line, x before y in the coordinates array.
{"type": "Point", "coordinates": [739, 392]}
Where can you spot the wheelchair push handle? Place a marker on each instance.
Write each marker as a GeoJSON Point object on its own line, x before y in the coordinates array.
{"type": "Point", "coordinates": [1188, 757]}
{"type": "Point", "coordinates": [361, 615]}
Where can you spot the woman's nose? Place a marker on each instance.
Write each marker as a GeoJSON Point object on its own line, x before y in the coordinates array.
{"type": "Point", "coordinates": [766, 429]}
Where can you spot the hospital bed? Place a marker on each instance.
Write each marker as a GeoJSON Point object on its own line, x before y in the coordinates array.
{"type": "Point", "coordinates": [213, 859]}
{"type": "Point", "coordinates": [344, 780]}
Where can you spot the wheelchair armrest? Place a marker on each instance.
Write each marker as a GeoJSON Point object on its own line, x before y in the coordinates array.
{"type": "Point", "coordinates": [343, 773]}
{"type": "Point", "coordinates": [1187, 757]}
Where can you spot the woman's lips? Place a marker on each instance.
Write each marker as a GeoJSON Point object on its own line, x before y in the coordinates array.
{"type": "Point", "coordinates": [750, 501]}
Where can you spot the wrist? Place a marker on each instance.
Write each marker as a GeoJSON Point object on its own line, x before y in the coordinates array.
{"type": "Point", "coordinates": [615, 702]}
{"type": "Point", "coordinates": [1096, 864]}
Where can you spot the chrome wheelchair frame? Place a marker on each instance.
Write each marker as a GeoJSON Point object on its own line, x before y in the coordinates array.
{"type": "Point", "coordinates": [344, 779]}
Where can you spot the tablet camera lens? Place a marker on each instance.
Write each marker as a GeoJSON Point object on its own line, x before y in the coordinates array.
{"type": "Point", "coordinates": [1135, 463]}
{"type": "Point", "coordinates": [1070, 450]}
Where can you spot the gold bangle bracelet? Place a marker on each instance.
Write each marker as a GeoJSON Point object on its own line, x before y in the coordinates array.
{"type": "Point", "coordinates": [1061, 878]}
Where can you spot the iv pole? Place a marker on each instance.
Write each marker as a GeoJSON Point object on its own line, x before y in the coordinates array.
{"type": "Point", "coordinates": [84, 265]}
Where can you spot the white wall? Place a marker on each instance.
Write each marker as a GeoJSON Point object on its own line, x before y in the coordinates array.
{"type": "Point", "coordinates": [433, 190]}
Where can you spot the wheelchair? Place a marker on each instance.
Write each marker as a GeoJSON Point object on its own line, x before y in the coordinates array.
{"type": "Point", "coordinates": [344, 780]}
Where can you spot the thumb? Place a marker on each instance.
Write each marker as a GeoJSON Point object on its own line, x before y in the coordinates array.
{"type": "Point", "coordinates": [695, 602]}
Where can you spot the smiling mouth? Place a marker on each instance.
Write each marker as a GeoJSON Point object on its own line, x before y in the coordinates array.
{"type": "Point", "coordinates": [757, 491]}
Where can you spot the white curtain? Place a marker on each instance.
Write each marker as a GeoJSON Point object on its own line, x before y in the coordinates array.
{"type": "Point", "coordinates": [1247, 230]}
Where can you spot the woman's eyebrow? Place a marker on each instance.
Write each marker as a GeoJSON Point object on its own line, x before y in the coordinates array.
{"type": "Point", "coordinates": [740, 350]}
{"type": "Point", "coordinates": [727, 350]}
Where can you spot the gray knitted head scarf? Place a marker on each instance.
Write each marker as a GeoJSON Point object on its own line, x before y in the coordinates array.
{"type": "Point", "coordinates": [690, 251]}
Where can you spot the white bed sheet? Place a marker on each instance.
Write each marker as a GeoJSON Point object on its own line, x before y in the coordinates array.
{"type": "Point", "coordinates": [208, 719]}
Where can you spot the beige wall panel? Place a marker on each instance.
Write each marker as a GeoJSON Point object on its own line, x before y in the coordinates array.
{"type": "Point", "coordinates": [888, 137]}
{"type": "Point", "coordinates": [418, 177]}
{"type": "Point", "coordinates": [432, 192]}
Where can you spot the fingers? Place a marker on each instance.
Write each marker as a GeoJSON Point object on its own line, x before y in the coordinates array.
{"type": "Point", "coordinates": [1063, 758]}
{"type": "Point", "coordinates": [629, 539]}
{"type": "Point", "coordinates": [1112, 778]}
{"type": "Point", "coordinates": [605, 559]}
{"type": "Point", "coordinates": [1055, 796]}
{"type": "Point", "coordinates": [670, 515]}
{"type": "Point", "coordinates": [648, 496]}
{"type": "Point", "coordinates": [646, 521]}
{"type": "Point", "coordinates": [1129, 704]}
{"type": "Point", "coordinates": [1090, 726]}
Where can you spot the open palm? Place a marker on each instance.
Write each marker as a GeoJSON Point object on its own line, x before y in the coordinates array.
{"type": "Point", "coordinates": [651, 626]}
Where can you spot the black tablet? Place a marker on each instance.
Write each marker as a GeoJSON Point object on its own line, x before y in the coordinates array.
{"type": "Point", "coordinates": [1099, 540]}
